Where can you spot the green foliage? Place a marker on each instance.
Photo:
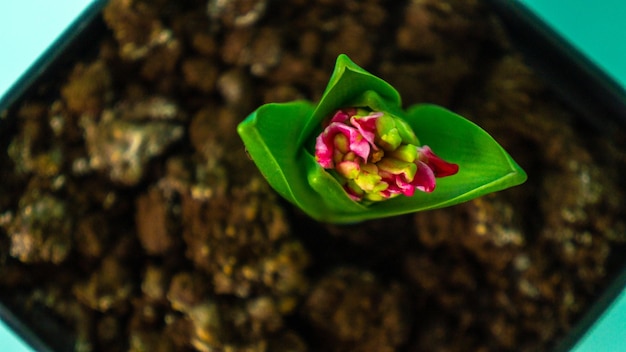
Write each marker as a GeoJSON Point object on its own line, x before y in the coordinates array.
{"type": "Point", "coordinates": [280, 140]}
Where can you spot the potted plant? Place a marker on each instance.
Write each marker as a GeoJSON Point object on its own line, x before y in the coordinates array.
{"type": "Point", "coordinates": [133, 218]}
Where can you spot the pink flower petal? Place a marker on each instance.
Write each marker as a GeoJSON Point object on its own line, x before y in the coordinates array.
{"type": "Point", "coordinates": [359, 146]}
{"type": "Point", "coordinates": [406, 188]}
{"type": "Point", "coordinates": [366, 125]}
{"type": "Point", "coordinates": [357, 143]}
{"type": "Point", "coordinates": [325, 143]}
{"type": "Point", "coordinates": [340, 116]}
{"type": "Point", "coordinates": [424, 178]}
{"type": "Point", "coordinates": [323, 152]}
{"type": "Point", "coordinates": [440, 167]}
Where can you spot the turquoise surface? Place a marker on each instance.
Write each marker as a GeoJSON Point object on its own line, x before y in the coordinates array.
{"type": "Point", "coordinates": [609, 332]}
{"type": "Point", "coordinates": [27, 28]}
{"type": "Point", "coordinates": [597, 28]}
{"type": "Point", "coordinates": [10, 343]}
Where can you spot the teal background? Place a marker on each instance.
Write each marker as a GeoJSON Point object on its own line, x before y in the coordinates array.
{"type": "Point", "coordinates": [27, 28]}
{"type": "Point", "coordinates": [609, 332]}
{"type": "Point", "coordinates": [597, 28]}
{"type": "Point", "coordinates": [10, 343]}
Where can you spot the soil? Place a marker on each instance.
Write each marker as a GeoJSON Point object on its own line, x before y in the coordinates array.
{"type": "Point", "coordinates": [132, 217]}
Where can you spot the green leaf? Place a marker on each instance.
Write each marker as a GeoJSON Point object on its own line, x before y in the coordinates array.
{"type": "Point", "coordinates": [270, 135]}
{"type": "Point", "coordinates": [348, 83]}
{"type": "Point", "coordinates": [484, 166]}
{"type": "Point", "coordinates": [280, 139]}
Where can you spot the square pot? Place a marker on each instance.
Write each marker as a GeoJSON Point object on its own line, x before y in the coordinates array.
{"type": "Point", "coordinates": [147, 289]}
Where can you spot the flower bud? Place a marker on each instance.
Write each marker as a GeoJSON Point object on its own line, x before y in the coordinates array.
{"type": "Point", "coordinates": [377, 155]}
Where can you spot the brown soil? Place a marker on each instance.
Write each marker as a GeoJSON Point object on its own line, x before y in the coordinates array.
{"type": "Point", "coordinates": [131, 214]}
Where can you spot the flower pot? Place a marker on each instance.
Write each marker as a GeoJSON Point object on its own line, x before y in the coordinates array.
{"type": "Point", "coordinates": [132, 219]}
